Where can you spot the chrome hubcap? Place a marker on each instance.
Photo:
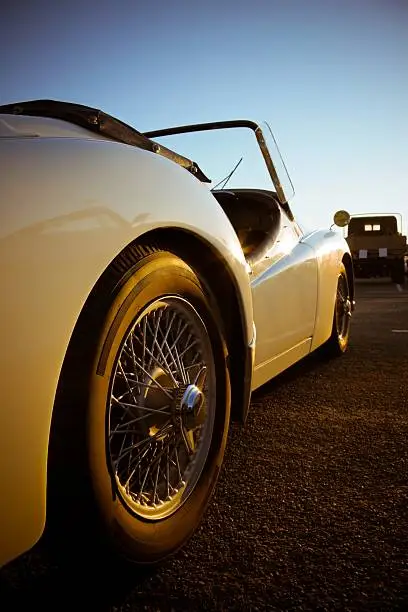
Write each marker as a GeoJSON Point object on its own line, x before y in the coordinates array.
{"type": "Point", "coordinates": [193, 399]}
{"type": "Point", "coordinates": [161, 409]}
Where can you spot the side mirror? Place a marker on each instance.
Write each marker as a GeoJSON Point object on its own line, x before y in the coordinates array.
{"type": "Point", "coordinates": [341, 218]}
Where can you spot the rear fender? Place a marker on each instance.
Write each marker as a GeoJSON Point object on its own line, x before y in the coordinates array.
{"type": "Point", "coordinates": [70, 207]}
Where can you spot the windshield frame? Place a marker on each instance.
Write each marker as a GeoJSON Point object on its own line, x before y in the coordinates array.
{"type": "Point", "coordinates": [234, 123]}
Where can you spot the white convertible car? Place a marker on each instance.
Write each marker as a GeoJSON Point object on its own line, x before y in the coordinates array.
{"type": "Point", "coordinates": [139, 308]}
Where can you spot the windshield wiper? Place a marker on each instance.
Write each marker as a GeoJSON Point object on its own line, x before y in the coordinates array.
{"type": "Point", "coordinates": [227, 178]}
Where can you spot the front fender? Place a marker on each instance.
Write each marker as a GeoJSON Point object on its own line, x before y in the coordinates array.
{"type": "Point", "coordinates": [330, 249]}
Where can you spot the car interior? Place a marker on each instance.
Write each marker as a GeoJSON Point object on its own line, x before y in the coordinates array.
{"type": "Point", "coordinates": [255, 215]}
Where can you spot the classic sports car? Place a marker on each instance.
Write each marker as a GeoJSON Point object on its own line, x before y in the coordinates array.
{"type": "Point", "coordinates": [139, 309]}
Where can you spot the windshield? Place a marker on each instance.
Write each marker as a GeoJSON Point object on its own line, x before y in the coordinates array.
{"type": "Point", "coordinates": [230, 155]}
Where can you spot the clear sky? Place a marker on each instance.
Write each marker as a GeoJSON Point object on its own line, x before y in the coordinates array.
{"type": "Point", "coordinates": [331, 77]}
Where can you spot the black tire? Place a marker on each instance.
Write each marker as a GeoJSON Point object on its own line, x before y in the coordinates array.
{"type": "Point", "coordinates": [338, 342]}
{"type": "Point", "coordinates": [148, 443]}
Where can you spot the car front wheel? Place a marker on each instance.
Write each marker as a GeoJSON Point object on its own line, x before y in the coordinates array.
{"type": "Point", "coordinates": [339, 338]}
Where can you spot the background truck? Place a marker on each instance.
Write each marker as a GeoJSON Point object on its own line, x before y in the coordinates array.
{"type": "Point", "coordinates": [377, 245]}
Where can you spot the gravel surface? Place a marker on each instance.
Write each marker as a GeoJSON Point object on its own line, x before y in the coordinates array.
{"type": "Point", "coordinates": [311, 510]}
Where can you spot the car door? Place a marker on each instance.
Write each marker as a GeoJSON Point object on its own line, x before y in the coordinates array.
{"type": "Point", "coordinates": [284, 288]}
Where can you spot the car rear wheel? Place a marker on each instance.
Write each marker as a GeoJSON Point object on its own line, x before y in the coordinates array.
{"type": "Point", "coordinates": [154, 414]}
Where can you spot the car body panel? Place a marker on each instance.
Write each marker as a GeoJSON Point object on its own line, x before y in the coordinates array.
{"type": "Point", "coordinates": [283, 319]}
{"type": "Point", "coordinates": [69, 206]}
{"type": "Point", "coordinates": [330, 249]}
{"type": "Point", "coordinates": [288, 326]}
{"type": "Point", "coordinates": [274, 366]}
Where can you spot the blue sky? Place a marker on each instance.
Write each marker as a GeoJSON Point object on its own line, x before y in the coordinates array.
{"type": "Point", "coordinates": [330, 77]}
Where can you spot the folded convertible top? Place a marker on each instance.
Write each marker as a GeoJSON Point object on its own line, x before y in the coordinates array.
{"type": "Point", "coordinates": [97, 121]}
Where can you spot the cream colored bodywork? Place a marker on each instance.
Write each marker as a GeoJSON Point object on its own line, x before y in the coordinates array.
{"type": "Point", "coordinates": [69, 205]}
{"type": "Point", "coordinates": [293, 298]}
{"type": "Point", "coordinates": [70, 202]}
{"type": "Point", "coordinates": [330, 249]}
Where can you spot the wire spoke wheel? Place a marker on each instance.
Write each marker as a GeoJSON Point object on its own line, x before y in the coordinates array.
{"type": "Point", "coordinates": [148, 421]}
{"type": "Point", "coordinates": [343, 308]}
{"type": "Point", "coordinates": [161, 408]}
{"type": "Point", "coordinates": [338, 341]}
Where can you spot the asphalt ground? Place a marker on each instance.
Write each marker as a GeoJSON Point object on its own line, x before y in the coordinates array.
{"type": "Point", "coordinates": [311, 509]}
